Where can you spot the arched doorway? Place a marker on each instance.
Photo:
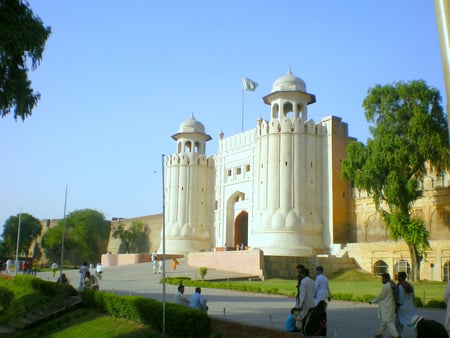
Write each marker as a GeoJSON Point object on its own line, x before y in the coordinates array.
{"type": "Point", "coordinates": [241, 229]}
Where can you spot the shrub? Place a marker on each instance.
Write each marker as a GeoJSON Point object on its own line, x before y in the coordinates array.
{"type": "Point", "coordinates": [418, 302]}
{"type": "Point", "coordinates": [6, 297]}
{"type": "Point", "coordinates": [203, 270]}
{"type": "Point", "coordinates": [436, 304]}
{"type": "Point", "coordinates": [149, 311]}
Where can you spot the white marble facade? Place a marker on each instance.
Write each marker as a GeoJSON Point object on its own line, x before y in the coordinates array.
{"type": "Point", "coordinates": [269, 187]}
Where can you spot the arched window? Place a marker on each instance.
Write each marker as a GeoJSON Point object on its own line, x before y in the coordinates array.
{"type": "Point", "coordinates": [275, 110]}
{"type": "Point", "coordinates": [380, 267]}
{"type": "Point", "coordinates": [287, 109]}
{"type": "Point", "coordinates": [402, 265]}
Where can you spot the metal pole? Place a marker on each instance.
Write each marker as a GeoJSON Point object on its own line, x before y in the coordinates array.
{"type": "Point", "coordinates": [163, 247]}
{"type": "Point", "coordinates": [62, 240]}
{"type": "Point", "coordinates": [17, 263]}
{"type": "Point", "coordinates": [442, 8]}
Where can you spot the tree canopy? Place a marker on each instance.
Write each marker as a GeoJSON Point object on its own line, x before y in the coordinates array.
{"type": "Point", "coordinates": [22, 42]}
{"type": "Point", "coordinates": [30, 229]}
{"type": "Point", "coordinates": [129, 235]}
{"type": "Point", "coordinates": [409, 131]}
{"type": "Point", "coordinates": [86, 236]}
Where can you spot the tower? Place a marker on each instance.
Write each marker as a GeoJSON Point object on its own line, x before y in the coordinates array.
{"type": "Point", "coordinates": [188, 182]}
{"type": "Point", "coordinates": [287, 219]}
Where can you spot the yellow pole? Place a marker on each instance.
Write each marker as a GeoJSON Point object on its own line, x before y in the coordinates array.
{"type": "Point", "coordinates": [442, 8]}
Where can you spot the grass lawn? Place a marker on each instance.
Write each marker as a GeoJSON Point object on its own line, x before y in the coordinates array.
{"type": "Point", "coordinates": [351, 282]}
{"type": "Point", "coordinates": [84, 323]}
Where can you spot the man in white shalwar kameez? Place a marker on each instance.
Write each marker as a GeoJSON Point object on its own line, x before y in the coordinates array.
{"type": "Point", "coordinates": [306, 293]}
{"type": "Point", "coordinates": [386, 307]}
{"type": "Point", "coordinates": [405, 303]}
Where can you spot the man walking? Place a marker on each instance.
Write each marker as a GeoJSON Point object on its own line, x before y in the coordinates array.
{"type": "Point", "coordinates": [386, 307]}
{"type": "Point", "coordinates": [321, 285]}
{"type": "Point", "coordinates": [306, 293]}
{"type": "Point", "coordinates": [405, 303]}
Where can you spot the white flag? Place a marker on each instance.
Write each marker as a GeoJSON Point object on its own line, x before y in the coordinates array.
{"type": "Point", "coordinates": [249, 85]}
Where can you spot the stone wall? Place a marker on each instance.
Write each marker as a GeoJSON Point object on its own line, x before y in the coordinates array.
{"type": "Point", "coordinates": [284, 267]}
{"type": "Point", "coordinates": [249, 262]}
{"type": "Point", "coordinates": [435, 264]}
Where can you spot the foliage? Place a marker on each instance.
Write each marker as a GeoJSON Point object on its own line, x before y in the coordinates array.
{"type": "Point", "coordinates": [22, 41]}
{"type": "Point", "coordinates": [51, 241]}
{"type": "Point", "coordinates": [6, 297]}
{"type": "Point", "coordinates": [30, 293]}
{"type": "Point", "coordinates": [78, 322]}
{"type": "Point", "coordinates": [149, 311]}
{"type": "Point", "coordinates": [129, 235]}
{"type": "Point", "coordinates": [409, 132]}
{"type": "Point", "coordinates": [30, 228]}
{"type": "Point", "coordinates": [344, 286]}
{"type": "Point", "coordinates": [86, 234]}
{"type": "Point", "coordinates": [439, 304]}
{"type": "Point", "coordinates": [202, 271]}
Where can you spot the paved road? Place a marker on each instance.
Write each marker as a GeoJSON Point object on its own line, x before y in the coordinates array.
{"type": "Point", "coordinates": [345, 319]}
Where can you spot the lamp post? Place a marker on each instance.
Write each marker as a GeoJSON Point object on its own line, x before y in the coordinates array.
{"type": "Point", "coordinates": [17, 263]}
{"type": "Point", "coordinates": [62, 239]}
{"type": "Point", "coordinates": [163, 247]}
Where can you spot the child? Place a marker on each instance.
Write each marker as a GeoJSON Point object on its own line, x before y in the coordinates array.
{"type": "Point", "coordinates": [291, 321]}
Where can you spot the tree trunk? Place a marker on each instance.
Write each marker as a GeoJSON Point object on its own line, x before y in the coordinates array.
{"type": "Point", "coordinates": [415, 263]}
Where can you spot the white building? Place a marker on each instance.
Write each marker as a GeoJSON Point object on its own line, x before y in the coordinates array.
{"type": "Point", "coordinates": [276, 187]}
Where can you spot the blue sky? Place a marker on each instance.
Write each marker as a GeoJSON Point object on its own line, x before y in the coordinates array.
{"type": "Point", "coordinates": [118, 77]}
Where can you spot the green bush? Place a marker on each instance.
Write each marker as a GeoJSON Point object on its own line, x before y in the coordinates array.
{"type": "Point", "coordinates": [149, 311]}
{"type": "Point", "coordinates": [418, 302]}
{"type": "Point", "coordinates": [436, 304]}
{"type": "Point", "coordinates": [203, 270]}
{"type": "Point", "coordinates": [6, 297]}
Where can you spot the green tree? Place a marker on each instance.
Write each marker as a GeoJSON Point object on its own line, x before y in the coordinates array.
{"type": "Point", "coordinates": [89, 232]}
{"type": "Point", "coordinates": [51, 242]}
{"type": "Point", "coordinates": [22, 41]}
{"type": "Point", "coordinates": [30, 228]}
{"type": "Point", "coordinates": [409, 131]}
{"type": "Point", "coordinates": [129, 235]}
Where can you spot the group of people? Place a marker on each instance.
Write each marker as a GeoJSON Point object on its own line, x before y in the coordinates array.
{"type": "Point", "coordinates": [309, 314]}
{"type": "Point", "coordinates": [396, 310]}
{"type": "Point", "coordinates": [89, 281]}
{"type": "Point", "coordinates": [28, 267]}
{"type": "Point", "coordinates": [196, 301]}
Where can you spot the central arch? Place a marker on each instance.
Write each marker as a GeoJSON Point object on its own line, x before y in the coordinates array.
{"type": "Point", "coordinates": [241, 229]}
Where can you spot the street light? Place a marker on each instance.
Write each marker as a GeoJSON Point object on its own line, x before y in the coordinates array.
{"type": "Point", "coordinates": [62, 240]}
{"type": "Point", "coordinates": [17, 265]}
{"type": "Point", "coordinates": [163, 248]}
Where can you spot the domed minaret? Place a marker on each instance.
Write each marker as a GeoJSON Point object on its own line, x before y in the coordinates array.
{"type": "Point", "coordinates": [187, 184]}
{"type": "Point", "coordinates": [287, 218]}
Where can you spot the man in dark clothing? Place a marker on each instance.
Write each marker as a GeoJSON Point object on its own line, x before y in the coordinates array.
{"type": "Point", "coordinates": [427, 328]}
{"type": "Point", "coordinates": [299, 268]}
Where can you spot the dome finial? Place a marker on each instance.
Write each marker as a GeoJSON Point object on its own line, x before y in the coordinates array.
{"type": "Point", "coordinates": [289, 70]}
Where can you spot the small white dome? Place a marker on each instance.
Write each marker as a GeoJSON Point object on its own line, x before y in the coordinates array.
{"type": "Point", "coordinates": [289, 82]}
{"type": "Point", "coordinates": [191, 126]}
